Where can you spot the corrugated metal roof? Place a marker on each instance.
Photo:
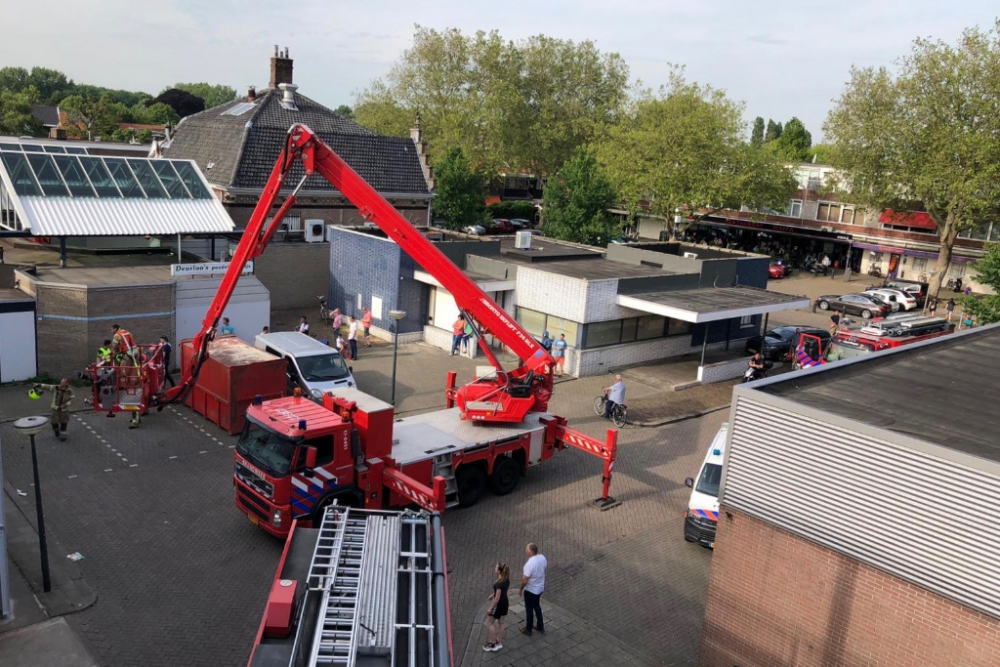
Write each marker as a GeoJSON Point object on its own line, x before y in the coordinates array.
{"type": "Point", "coordinates": [91, 216]}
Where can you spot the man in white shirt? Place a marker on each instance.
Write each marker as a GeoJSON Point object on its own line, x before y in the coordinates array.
{"type": "Point", "coordinates": [616, 394]}
{"type": "Point", "coordinates": [303, 326]}
{"type": "Point", "coordinates": [352, 337]}
{"type": "Point", "coordinates": [532, 587]}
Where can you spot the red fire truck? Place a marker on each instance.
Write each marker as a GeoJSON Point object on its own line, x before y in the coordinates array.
{"type": "Point", "coordinates": [362, 588]}
{"type": "Point", "coordinates": [296, 457]}
{"type": "Point", "coordinates": [875, 336]}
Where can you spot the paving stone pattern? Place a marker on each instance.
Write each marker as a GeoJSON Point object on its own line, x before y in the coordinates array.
{"type": "Point", "coordinates": [181, 576]}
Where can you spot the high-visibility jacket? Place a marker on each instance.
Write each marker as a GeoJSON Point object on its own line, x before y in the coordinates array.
{"type": "Point", "coordinates": [104, 354]}
{"type": "Point", "coordinates": [123, 341]}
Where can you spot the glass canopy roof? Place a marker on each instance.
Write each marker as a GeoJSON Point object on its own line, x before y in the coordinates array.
{"type": "Point", "coordinates": [38, 173]}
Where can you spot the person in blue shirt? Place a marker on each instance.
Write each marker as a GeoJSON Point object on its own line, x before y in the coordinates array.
{"type": "Point", "coordinates": [225, 329]}
{"type": "Point", "coordinates": [616, 394]}
{"type": "Point", "coordinates": [559, 353]}
{"type": "Point", "coordinates": [546, 341]}
{"type": "Point", "coordinates": [166, 348]}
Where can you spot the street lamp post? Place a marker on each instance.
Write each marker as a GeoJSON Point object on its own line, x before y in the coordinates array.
{"type": "Point", "coordinates": [396, 315]}
{"type": "Point", "coordinates": [32, 426]}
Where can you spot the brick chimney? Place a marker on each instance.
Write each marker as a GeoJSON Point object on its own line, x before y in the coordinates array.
{"type": "Point", "coordinates": [252, 93]}
{"type": "Point", "coordinates": [281, 68]}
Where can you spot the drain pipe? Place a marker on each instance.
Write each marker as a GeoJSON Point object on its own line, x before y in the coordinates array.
{"type": "Point", "coordinates": [62, 252]}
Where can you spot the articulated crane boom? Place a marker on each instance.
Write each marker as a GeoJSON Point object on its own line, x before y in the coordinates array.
{"type": "Point", "coordinates": [505, 396]}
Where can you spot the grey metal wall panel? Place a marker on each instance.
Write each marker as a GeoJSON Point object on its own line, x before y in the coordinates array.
{"type": "Point", "coordinates": [926, 519]}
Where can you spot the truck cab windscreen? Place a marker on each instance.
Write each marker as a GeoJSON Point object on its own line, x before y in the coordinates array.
{"type": "Point", "coordinates": [840, 351]}
{"type": "Point", "coordinates": [266, 449]}
{"type": "Point", "coordinates": [709, 480]}
{"type": "Point", "coordinates": [323, 367]}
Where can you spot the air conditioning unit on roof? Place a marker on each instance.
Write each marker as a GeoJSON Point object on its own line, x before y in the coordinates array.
{"type": "Point", "coordinates": [315, 231]}
{"type": "Point", "coordinates": [522, 240]}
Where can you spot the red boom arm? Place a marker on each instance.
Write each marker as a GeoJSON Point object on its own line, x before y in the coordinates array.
{"type": "Point", "coordinates": [507, 396]}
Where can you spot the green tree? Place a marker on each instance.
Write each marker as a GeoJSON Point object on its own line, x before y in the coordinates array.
{"type": "Point", "coordinates": [93, 117]}
{"type": "Point", "coordinates": [576, 202]}
{"type": "Point", "coordinates": [820, 153]}
{"type": "Point", "coordinates": [773, 131]}
{"type": "Point", "coordinates": [212, 95]}
{"type": "Point", "coordinates": [986, 309]}
{"type": "Point", "coordinates": [14, 79]}
{"type": "Point", "coordinates": [926, 135]}
{"type": "Point", "coordinates": [682, 150]}
{"type": "Point", "coordinates": [15, 114]}
{"type": "Point", "coordinates": [458, 191]}
{"type": "Point", "coordinates": [344, 111]}
{"type": "Point", "coordinates": [794, 141]}
{"type": "Point", "coordinates": [757, 136]}
{"type": "Point", "coordinates": [156, 114]}
{"type": "Point", "coordinates": [511, 106]}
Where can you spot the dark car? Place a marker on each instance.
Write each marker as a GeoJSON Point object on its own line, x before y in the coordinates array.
{"type": "Point", "coordinates": [501, 226]}
{"type": "Point", "coordinates": [778, 343]}
{"type": "Point", "coordinates": [865, 305]}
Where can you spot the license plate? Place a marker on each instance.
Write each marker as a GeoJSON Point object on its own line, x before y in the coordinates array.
{"type": "Point", "coordinates": [254, 520]}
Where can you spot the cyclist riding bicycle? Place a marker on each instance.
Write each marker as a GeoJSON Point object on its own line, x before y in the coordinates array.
{"type": "Point", "coordinates": [616, 396]}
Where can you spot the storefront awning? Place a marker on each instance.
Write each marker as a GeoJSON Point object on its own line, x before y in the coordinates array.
{"type": "Point", "coordinates": [915, 219]}
{"type": "Point", "coordinates": [712, 303]}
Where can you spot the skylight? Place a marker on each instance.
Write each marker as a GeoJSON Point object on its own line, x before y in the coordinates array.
{"type": "Point", "coordinates": [238, 109]}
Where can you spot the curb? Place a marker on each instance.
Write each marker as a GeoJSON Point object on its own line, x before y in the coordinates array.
{"type": "Point", "coordinates": [679, 418]}
{"type": "Point", "coordinates": [474, 631]}
{"type": "Point", "coordinates": [70, 592]}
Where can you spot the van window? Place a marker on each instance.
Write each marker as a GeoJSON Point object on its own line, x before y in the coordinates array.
{"type": "Point", "coordinates": [323, 367]}
{"type": "Point", "coordinates": [709, 480]}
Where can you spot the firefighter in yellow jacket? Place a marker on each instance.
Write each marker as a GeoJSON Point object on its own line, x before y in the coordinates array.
{"type": "Point", "coordinates": [62, 396]}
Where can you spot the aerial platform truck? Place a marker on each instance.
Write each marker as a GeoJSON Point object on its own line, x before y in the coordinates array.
{"type": "Point", "coordinates": [296, 456]}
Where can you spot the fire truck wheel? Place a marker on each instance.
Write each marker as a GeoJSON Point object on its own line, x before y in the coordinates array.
{"type": "Point", "coordinates": [506, 473]}
{"type": "Point", "coordinates": [471, 484]}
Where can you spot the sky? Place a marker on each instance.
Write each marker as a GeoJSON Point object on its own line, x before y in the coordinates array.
{"type": "Point", "coordinates": [782, 59]}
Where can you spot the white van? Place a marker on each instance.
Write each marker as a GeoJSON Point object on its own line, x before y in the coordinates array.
{"type": "Point", "coordinates": [312, 366]}
{"type": "Point", "coordinates": [703, 509]}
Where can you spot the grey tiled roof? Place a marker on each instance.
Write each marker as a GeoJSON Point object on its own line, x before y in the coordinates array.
{"type": "Point", "coordinates": [242, 149]}
{"type": "Point", "coordinates": [46, 115]}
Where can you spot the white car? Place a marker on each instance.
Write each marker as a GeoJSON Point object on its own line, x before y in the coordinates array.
{"type": "Point", "coordinates": [897, 299]}
{"type": "Point", "coordinates": [475, 230]}
{"type": "Point", "coordinates": [702, 516]}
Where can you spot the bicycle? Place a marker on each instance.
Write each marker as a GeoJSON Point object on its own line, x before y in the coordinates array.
{"type": "Point", "coordinates": [324, 312]}
{"type": "Point", "coordinates": [619, 412]}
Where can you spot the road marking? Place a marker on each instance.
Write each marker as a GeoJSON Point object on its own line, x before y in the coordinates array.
{"type": "Point", "coordinates": [172, 457]}
{"type": "Point", "coordinates": [124, 459]}
{"type": "Point", "coordinates": [72, 477]}
{"type": "Point", "coordinates": [107, 470]}
{"type": "Point", "coordinates": [203, 452]}
{"type": "Point", "coordinates": [133, 465]}
{"type": "Point", "coordinates": [232, 446]}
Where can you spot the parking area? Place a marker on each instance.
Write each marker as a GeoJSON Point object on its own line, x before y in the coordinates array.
{"type": "Point", "coordinates": [181, 576]}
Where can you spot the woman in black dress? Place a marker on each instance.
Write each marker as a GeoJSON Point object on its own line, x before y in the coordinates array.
{"type": "Point", "coordinates": [498, 607]}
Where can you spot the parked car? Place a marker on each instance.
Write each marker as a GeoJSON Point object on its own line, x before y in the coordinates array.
{"type": "Point", "coordinates": [520, 223]}
{"type": "Point", "coordinates": [902, 300]}
{"type": "Point", "coordinates": [914, 288]}
{"type": "Point", "coordinates": [775, 271]}
{"type": "Point", "coordinates": [439, 224]}
{"type": "Point", "coordinates": [786, 266]}
{"type": "Point", "coordinates": [778, 343]}
{"type": "Point", "coordinates": [501, 226]}
{"type": "Point", "coordinates": [865, 305]}
{"type": "Point", "coordinates": [475, 230]}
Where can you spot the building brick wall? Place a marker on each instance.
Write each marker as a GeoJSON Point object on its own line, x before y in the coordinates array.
{"type": "Point", "coordinates": [552, 293]}
{"type": "Point", "coordinates": [295, 274]}
{"type": "Point", "coordinates": [582, 363]}
{"type": "Point", "coordinates": [777, 600]}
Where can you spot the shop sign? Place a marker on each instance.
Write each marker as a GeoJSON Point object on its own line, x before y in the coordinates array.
{"type": "Point", "coordinates": [206, 269]}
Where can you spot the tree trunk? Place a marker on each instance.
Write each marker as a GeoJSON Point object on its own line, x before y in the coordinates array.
{"type": "Point", "coordinates": [947, 234]}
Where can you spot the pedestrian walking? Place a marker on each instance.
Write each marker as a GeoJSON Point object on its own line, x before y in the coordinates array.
{"type": "Point", "coordinates": [949, 309]}
{"type": "Point", "coordinates": [499, 604]}
{"type": "Point", "coordinates": [559, 353]}
{"type": "Point", "coordinates": [165, 349]}
{"type": "Point", "coordinates": [466, 336]}
{"type": "Point", "coordinates": [457, 333]}
{"type": "Point", "coordinates": [532, 587]}
{"type": "Point", "coordinates": [834, 324]}
{"type": "Point", "coordinates": [62, 396]}
{"type": "Point", "coordinates": [968, 320]}
{"type": "Point", "coordinates": [352, 337]}
{"type": "Point", "coordinates": [546, 341]}
{"type": "Point", "coordinates": [226, 329]}
{"type": "Point", "coordinates": [303, 325]}
{"type": "Point", "coordinates": [366, 323]}
{"type": "Point", "coordinates": [337, 320]}
{"type": "Point", "coordinates": [932, 306]}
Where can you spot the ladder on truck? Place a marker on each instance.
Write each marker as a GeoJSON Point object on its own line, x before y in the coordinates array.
{"type": "Point", "coordinates": [444, 467]}
{"type": "Point", "coordinates": [335, 572]}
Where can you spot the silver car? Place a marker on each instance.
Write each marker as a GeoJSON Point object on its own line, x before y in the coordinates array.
{"type": "Point", "coordinates": [475, 230]}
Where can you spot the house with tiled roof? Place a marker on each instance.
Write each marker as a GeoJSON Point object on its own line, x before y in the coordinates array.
{"type": "Point", "coordinates": [237, 143]}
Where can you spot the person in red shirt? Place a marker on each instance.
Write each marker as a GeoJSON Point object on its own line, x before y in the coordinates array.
{"type": "Point", "coordinates": [457, 334]}
{"type": "Point", "coordinates": [366, 322]}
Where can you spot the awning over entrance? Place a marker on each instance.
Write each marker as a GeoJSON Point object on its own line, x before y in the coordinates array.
{"type": "Point", "coordinates": [712, 303]}
{"type": "Point", "coordinates": [485, 283]}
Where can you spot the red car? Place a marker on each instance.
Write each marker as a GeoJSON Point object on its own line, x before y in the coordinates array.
{"type": "Point", "coordinates": [776, 271]}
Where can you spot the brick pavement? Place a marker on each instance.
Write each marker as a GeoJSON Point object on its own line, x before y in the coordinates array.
{"type": "Point", "coordinates": [568, 640]}
{"type": "Point", "coordinates": [181, 576]}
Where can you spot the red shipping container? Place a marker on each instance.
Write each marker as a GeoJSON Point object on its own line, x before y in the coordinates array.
{"type": "Point", "coordinates": [232, 375]}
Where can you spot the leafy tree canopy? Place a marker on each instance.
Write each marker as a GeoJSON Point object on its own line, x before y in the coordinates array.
{"type": "Point", "coordinates": [773, 131]}
{"type": "Point", "coordinates": [344, 111]}
{"type": "Point", "coordinates": [682, 149]}
{"type": "Point", "coordinates": [757, 136]}
{"type": "Point", "coordinates": [794, 141]}
{"type": "Point", "coordinates": [926, 135]}
{"type": "Point", "coordinates": [511, 106]}
{"type": "Point", "coordinates": [212, 96]}
{"type": "Point", "coordinates": [181, 101]}
{"type": "Point", "coordinates": [577, 200]}
{"type": "Point", "coordinates": [15, 114]}
{"type": "Point", "coordinates": [986, 309]}
{"type": "Point", "coordinates": [458, 190]}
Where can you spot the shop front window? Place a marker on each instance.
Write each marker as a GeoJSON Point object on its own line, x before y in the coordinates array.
{"type": "Point", "coordinates": [533, 321]}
